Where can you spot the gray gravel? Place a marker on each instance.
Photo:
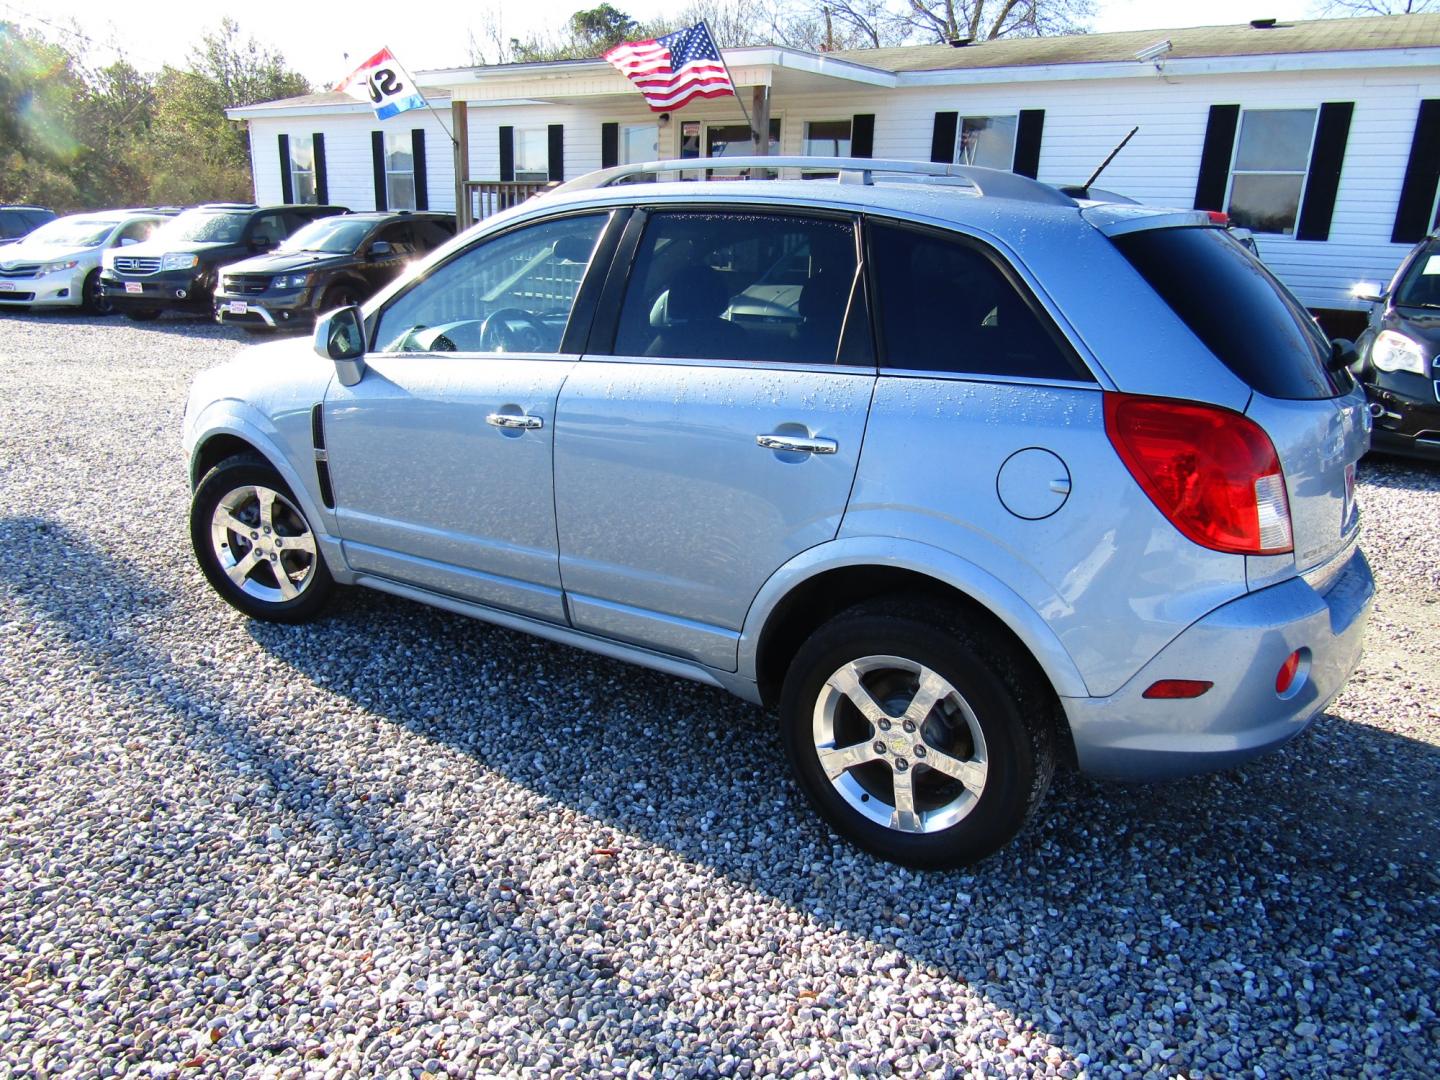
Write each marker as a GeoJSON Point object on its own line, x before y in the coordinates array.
{"type": "Point", "coordinates": [401, 843]}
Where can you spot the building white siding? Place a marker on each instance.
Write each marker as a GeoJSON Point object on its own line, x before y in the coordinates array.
{"type": "Point", "coordinates": [1084, 119]}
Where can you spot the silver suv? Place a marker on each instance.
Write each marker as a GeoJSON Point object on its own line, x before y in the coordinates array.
{"type": "Point", "coordinates": [964, 475]}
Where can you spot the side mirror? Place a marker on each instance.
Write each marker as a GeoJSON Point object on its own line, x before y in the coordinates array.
{"type": "Point", "coordinates": [340, 337]}
{"type": "Point", "coordinates": [127, 241]}
{"type": "Point", "coordinates": [380, 248]}
{"type": "Point", "coordinates": [261, 244]}
{"type": "Point", "coordinates": [1342, 354]}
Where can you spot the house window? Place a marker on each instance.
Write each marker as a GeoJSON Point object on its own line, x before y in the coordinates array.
{"type": "Point", "coordinates": [399, 171]}
{"type": "Point", "coordinates": [302, 168]}
{"type": "Point", "coordinates": [532, 154]}
{"type": "Point", "coordinates": [827, 138]}
{"type": "Point", "coordinates": [988, 141]}
{"type": "Point", "coordinates": [639, 142]}
{"type": "Point", "coordinates": [734, 140]}
{"type": "Point", "coordinates": [1272, 155]}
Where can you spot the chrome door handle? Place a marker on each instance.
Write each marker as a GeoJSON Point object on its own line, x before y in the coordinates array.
{"type": "Point", "coordinates": [510, 420]}
{"type": "Point", "coordinates": [798, 443]}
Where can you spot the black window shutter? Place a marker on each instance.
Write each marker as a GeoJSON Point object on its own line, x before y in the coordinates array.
{"type": "Point", "coordinates": [862, 135]}
{"type": "Point", "coordinates": [1422, 173]}
{"type": "Point", "coordinates": [609, 145]}
{"type": "Point", "coordinates": [942, 142]}
{"type": "Point", "coordinates": [377, 156]}
{"type": "Point", "coordinates": [417, 155]}
{"type": "Point", "coordinates": [1323, 182]}
{"type": "Point", "coordinates": [1215, 157]}
{"type": "Point", "coordinates": [1027, 142]}
{"type": "Point", "coordinates": [557, 151]}
{"type": "Point", "coordinates": [507, 154]}
{"type": "Point", "coordinates": [322, 178]}
{"type": "Point", "coordinates": [287, 191]}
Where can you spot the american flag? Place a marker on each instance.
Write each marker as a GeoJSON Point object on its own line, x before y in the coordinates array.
{"type": "Point", "coordinates": [671, 70]}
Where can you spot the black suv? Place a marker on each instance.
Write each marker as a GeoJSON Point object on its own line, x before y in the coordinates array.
{"type": "Point", "coordinates": [18, 221]}
{"type": "Point", "coordinates": [1399, 357]}
{"type": "Point", "coordinates": [328, 264]}
{"type": "Point", "coordinates": [176, 269]}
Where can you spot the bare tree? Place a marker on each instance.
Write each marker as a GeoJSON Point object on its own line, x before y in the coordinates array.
{"type": "Point", "coordinates": [986, 20]}
{"type": "Point", "coordinates": [1376, 7]}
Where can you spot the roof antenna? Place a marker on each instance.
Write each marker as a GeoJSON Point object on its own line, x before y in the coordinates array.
{"type": "Point", "coordinates": [1109, 158]}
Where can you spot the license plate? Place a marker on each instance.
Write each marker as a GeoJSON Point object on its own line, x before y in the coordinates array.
{"type": "Point", "coordinates": [134, 287]}
{"type": "Point", "coordinates": [7, 286]}
{"type": "Point", "coordinates": [237, 307]}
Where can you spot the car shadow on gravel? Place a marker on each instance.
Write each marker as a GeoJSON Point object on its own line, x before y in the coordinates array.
{"type": "Point", "coordinates": [1315, 863]}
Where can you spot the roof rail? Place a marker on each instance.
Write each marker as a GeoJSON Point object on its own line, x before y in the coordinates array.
{"type": "Point", "coordinates": [992, 182]}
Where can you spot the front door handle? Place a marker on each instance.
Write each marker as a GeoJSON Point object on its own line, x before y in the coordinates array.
{"type": "Point", "coordinates": [510, 420]}
{"type": "Point", "coordinates": [804, 444]}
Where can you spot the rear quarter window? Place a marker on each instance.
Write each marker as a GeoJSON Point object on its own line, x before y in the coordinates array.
{"type": "Point", "coordinates": [1244, 315]}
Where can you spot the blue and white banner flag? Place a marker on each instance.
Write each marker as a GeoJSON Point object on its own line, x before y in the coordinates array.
{"type": "Point", "coordinates": [386, 85]}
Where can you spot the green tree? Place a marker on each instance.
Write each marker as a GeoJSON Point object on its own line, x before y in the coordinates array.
{"type": "Point", "coordinates": [199, 154]}
{"type": "Point", "coordinates": [601, 28]}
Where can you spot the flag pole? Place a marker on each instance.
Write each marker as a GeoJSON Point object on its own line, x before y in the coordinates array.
{"type": "Point", "coordinates": [426, 98]}
{"type": "Point", "coordinates": [755, 136]}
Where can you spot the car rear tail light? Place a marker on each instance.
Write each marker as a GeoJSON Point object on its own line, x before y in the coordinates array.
{"type": "Point", "coordinates": [1218, 217]}
{"type": "Point", "coordinates": [1212, 472]}
{"type": "Point", "coordinates": [1172, 689]}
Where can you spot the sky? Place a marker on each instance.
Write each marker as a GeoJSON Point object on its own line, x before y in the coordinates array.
{"type": "Point", "coordinates": [316, 38]}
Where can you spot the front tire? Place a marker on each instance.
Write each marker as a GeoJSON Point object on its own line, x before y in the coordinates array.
{"type": "Point", "coordinates": [93, 298]}
{"type": "Point", "coordinates": [254, 544]}
{"type": "Point", "coordinates": [917, 738]}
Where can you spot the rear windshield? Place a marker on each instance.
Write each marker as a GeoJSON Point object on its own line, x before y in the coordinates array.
{"type": "Point", "coordinates": [1237, 308]}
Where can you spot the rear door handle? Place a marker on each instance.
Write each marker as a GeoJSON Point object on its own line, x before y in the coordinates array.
{"type": "Point", "coordinates": [510, 420]}
{"type": "Point", "coordinates": [804, 444]}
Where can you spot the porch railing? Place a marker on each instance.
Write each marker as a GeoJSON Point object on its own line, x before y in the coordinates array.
{"type": "Point", "coordinates": [488, 197]}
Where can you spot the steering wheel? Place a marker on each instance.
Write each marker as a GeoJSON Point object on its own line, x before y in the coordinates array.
{"type": "Point", "coordinates": [512, 330]}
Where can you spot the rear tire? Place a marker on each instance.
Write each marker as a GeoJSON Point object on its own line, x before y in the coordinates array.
{"type": "Point", "coordinates": [255, 545]}
{"type": "Point", "coordinates": [916, 737]}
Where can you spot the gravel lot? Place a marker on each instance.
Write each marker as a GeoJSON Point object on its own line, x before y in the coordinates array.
{"type": "Point", "coordinates": [397, 842]}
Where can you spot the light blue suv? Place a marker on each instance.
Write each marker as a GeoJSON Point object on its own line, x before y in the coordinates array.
{"type": "Point", "coordinates": [964, 475]}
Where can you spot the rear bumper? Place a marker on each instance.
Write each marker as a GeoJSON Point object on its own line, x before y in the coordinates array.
{"type": "Point", "coordinates": [1240, 647]}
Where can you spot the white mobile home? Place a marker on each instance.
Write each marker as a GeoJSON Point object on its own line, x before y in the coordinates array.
{"type": "Point", "coordinates": [1322, 137]}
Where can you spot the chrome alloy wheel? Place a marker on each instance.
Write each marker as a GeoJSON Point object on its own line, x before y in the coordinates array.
{"type": "Point", "coordinates": [263, 543]}
{"type": "Point", "coordinates": [900, 744]}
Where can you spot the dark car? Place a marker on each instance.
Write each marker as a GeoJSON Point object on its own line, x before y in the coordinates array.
{"type": "Point", "coordinates": [17, 221]}
{"type": "Point", "coordinates": [328, 264]}
{"type": "Point", "coordinates": [1399, 357]}
{"type": "Point", "coordinates": [176, 269]}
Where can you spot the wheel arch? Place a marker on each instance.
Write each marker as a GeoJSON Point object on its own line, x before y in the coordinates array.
{"type": "Point", "coordinates": [825, 582]}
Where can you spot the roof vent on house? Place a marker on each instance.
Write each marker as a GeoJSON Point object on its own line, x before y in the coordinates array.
{"type": "Point", "coordinates": [960, 42]}
{"type": "Point", "coordinates": [1261, 24]}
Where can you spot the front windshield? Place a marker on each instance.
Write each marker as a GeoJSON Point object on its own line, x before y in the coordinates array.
{"type": "Point", "coordinates": [1421, 287]}
{"type": "Point", "coordinates": [337, 235]}
{"type": "Point", "coordinates": [206, 226]}
{"type": "Point", "coordinates": [72, 232]}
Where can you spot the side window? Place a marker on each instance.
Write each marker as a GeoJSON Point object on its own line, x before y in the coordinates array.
{"type": "Point", "coordinates": [399, 236]}
{"type": "Point", "coordinates": [431, 234]}
{"type": "Point", "coordinates": [268, 229]}
{"type": "Point", "coordinates": [512, 293]}
{"type": "Point", "coordinates": [739, 286]}
{"type": "Point", "coordinates": [944, 305]}
{"type": "Point", "coordinates": [135, 232]}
